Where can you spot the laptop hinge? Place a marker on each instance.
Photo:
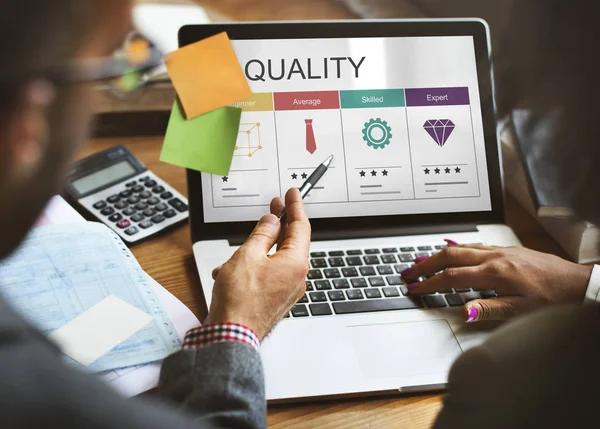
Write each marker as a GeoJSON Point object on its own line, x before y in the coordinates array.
{"type": "Point", "coordinates": [379, 232]}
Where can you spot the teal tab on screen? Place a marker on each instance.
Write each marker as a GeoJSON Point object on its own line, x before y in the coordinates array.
{"type": "Point", "coordinates": [372, 98]}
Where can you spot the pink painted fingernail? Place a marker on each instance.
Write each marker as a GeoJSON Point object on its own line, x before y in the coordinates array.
{"type": "Point", "coordinates": [420, 259]}
{"type": "Point", "coordinates": [407, 272]}
{"type": "Point", "coordinates": [413, 286]}
{"type": "Point", "coordinates": [472, 313]}
{"type": "Point", "coordinates": [451, 242]}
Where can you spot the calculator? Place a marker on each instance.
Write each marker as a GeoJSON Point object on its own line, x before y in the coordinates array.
{"type": "Point", "coordinates": [117, 189]}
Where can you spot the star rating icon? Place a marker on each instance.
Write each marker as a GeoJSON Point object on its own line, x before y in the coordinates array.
{"type": "Point", "coordinates": [304, 176]}
{"type": "Point", "coordinates": [294, 176]}
{"type": "Point", "coordinates": [439, 170]}
{"type": "Point", "coordinates": [225, 179]}
{"type": "Point", "coordinates": [375, 172]}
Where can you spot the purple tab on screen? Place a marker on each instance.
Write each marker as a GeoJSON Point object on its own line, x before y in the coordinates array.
{"type": "Point", "coordinates": [437, 97]}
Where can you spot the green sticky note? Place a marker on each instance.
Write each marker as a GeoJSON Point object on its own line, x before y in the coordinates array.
{"type": "Point", "coordinates": [204, 143]}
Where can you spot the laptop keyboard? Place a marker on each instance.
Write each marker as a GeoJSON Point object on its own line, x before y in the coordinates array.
{"type": "Point", "coordinates": [368, 280]}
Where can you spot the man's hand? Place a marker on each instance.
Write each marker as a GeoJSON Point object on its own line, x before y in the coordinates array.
{"type": "Point", "coordinates": [523, 279]}
{"type": "Point", "coordinates": [257, 290]}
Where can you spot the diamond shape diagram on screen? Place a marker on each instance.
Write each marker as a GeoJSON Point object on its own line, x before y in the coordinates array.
{"type": "Point", "coordinates": [440, 130]}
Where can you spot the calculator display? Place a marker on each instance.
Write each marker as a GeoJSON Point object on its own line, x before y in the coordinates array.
{"type": "Point", "coordinates": [103, 177]}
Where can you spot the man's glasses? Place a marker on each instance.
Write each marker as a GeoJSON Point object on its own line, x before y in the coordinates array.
{"type": "Point", "coordinates": [126, 71]}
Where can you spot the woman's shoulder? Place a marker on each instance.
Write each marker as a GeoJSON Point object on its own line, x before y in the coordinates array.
{"type": "Point", "coordinates": [536, 371]}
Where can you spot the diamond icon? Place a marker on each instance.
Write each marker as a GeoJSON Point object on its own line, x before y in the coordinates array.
{"type": "Point", "coordinates": [440, 130]}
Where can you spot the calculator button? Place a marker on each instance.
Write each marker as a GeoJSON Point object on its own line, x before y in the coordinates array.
{"type": "Point", "coordinates": [129, 211]}
{"type": "Point", "coordinates": [152, 201]}
{"type": "Point", "coordinates": [137, 188]}
{"type": "Point", "coordinates": [130, 184]}
{"type": "Point", "coordinates": [145, 194]}
{"type": "Point", "coordinates": [144, 179]}
{"type": "Point", "coordinates": [113, 199]}
{"type": "Point", "coordinates": [170, 213]}
{"type": "Point", "coordinates": [158, 190]}
{"type": "Point", "coordinates": [158, 218]}
{"type": "Point", "coordinates": [150, 184]}
{"type": "Point", "coordinates": [107, 211]}
{"type": "Point", "coordinates": [116, 217]}
{"type": "Point", "coordinates": [133, 200]}
{"type": "Point", "coordinates": [125, 194]}
{"type": "Point", "coordinates": [137, 217]}
{"type": "Point", "coordinates": [146, 224]}
{"type": "Point", "coordinates": [178, 205]}
{"type": "Point", "coordinates": [123, 223]}
{"type": "Point", "coordinates": [131, 231]}
{"type": "Point", "coordinates": [160, 207]}
{"type": "Point", "coordinates": [166, 195]}
{"type": "Point", "coordinates": [100, 205]}
{"type": "Point", "coordinates": [149, 212]}
{"type": "Point", "coordinates": [141, 206]}
{"type": "Point", "coordinates": [121, 205]}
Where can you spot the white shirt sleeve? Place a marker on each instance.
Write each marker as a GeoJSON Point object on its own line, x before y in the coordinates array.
{"type": "Point", "coordinates": [593, 290]}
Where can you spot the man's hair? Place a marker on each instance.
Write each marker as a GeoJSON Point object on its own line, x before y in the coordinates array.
{"type": "Point", "coordinates": [549, 63]}
{"type": "Point", "coordinates": [35, 36]}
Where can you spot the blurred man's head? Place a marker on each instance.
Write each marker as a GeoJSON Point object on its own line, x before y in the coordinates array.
{"type": "Point", "coordinates": [43, 122]}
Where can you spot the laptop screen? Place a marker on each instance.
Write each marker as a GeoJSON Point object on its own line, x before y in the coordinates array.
{"type": "Point", "coordinates": [401, 116]}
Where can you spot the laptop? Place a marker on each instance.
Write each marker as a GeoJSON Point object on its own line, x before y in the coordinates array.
{"type": "Point", "coordinates": [406, 108]}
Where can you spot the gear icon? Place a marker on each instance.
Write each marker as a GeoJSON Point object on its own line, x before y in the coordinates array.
{"type": "Point", "coordinates": [377, 133]}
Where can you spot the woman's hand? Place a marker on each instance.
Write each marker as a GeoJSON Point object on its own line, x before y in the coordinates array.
{"type": "Point", "coordinates": [523, 279]}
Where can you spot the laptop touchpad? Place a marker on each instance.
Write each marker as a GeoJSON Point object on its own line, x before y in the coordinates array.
{"type": "Point", "coordinates": [404, 349]}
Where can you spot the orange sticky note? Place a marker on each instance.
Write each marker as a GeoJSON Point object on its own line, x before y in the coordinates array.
{"type": "Point", "coordinates": [207, 75]}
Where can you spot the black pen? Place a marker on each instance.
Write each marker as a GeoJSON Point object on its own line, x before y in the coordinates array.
{"type": "Point", "coordinates": [312, 181]}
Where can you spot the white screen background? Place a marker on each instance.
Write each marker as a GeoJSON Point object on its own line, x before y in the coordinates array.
{"type": "Point", "coordinates": [391, 63]}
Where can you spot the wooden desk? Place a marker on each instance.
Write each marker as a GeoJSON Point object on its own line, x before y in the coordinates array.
{"type": "Point", "coordinates": [169, 260]}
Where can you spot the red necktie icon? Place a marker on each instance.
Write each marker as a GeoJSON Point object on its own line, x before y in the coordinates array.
{"type": "Point", "coordinates": [311, 144]}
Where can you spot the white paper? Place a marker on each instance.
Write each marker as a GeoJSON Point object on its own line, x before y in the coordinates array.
{"type": "Point", "coordinates": [58, 211]}
{"type": "Point", "coordinates": [61, 271]}
{"type": "Point", "coordinates": [138, 379]}
{"type": "Point", "coordinates": [133, 380]}
{"type": "Point", "coordinates": [99, 329]}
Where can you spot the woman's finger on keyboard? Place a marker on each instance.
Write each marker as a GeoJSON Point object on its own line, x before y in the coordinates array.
{"type": "Point", "coordinates": [452, 278]}
{"type": "Point", "coordinates": [452, 243]}
{"type": "Point", "coordinates": [450, 257]}
{"type": "Point", "coordinates": [501, 308]}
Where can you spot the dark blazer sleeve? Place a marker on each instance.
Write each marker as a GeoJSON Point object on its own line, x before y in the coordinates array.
{"type": "Point", "coordinates": [220, 386]}
{"type": "Point", "coordinates": [222, 382]}
{"type": "Point", "coordinates": [538, 372]}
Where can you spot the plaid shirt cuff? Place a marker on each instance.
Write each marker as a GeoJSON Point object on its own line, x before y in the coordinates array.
{"type": "Point", "coordinates": [218, 333]}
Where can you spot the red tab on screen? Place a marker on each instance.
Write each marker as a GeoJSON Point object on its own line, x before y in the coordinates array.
{"type": "Point", "coordinates": [313, 100]}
